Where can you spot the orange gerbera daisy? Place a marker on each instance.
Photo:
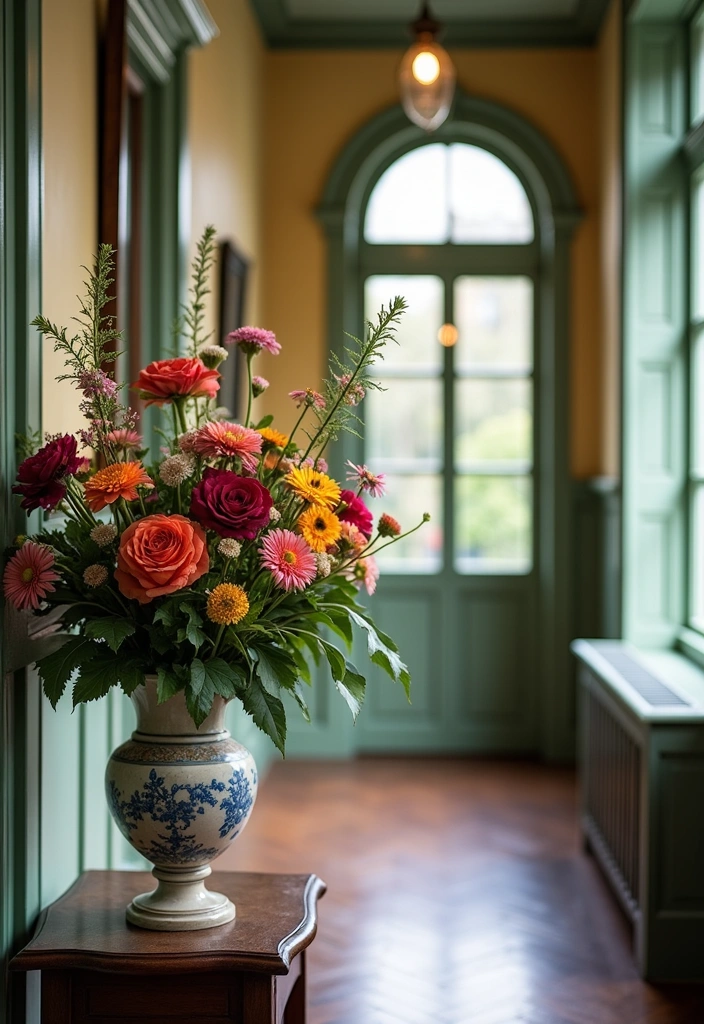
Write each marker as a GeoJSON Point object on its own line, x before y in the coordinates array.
{"type": "Point", "coordinates": [274, 436]}
{"type": "Point", "coordinates": [120, 480]}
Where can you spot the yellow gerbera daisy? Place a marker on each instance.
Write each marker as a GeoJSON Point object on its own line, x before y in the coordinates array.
{"type": "Point", "coordinates": [314, 487]}
{"type": "Point", "coordinates": [319, 527]}
{"type": "Point", "coordinates": [227, 604]}
{"type": "Point", "coordinates": [274, 436]}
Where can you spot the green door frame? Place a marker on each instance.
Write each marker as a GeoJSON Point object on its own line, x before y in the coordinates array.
{"type": "Point", "coordinates": [546, 180]}
{"type": "Point", "coordinates": [20, 408]}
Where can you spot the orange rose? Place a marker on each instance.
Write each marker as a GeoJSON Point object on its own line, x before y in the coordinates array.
{"type": "Point", "coordinates": [158, 555]}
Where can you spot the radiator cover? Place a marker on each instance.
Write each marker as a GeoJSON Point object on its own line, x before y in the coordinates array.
{"type": "Point", "coordinates": [642, 801]}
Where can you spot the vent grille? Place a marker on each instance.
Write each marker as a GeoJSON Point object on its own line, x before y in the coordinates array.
{"type": "Point", "coordinates": [612, 794]}
{"type": "Point", "coordinates": [650, 688]}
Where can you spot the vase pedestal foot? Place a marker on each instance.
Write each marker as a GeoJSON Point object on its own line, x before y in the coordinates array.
{"type": "Point", "coordinates": [180, 903]}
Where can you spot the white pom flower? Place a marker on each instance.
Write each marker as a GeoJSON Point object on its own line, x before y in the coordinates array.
{"type": "Point", "coordinates": [95, 575]}
{"type": "Point", "coordinates": [274, 515]}
{"type": "Point", "coordinates": [103, 534]}
{"type": "Point", "coordinates": [213, 355]}
{"type": "Point", "coordinates": [324, 562]}
{"type": "Point", "coordinates": [229, 547]}
{"type": "Point", "coordinates": [176, 469]}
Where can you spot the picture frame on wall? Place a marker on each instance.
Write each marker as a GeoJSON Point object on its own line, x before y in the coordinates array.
{"type": "Point", "coordinates": [233, 280]}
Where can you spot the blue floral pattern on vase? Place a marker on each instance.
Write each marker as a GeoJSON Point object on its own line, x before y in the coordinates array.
{"type": "Point", "coordinates": [175, 809]}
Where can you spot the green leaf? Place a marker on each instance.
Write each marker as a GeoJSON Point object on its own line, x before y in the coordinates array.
{"type": "Point", "coordinates": [56, 669]}
{"type": "Point", "coordinates": [335, 660]}
{"type": "Point", "coordinates": [297, 695]}
{"type": "Point", "coordinates": [265, 422]}
{"type": "Point", "coordinates": [352, 687]}
{"type": "Point", "coordinates": [276, 667]}
{"type": "Point", "coordinates": [158, 639]}
{"type": "Point", "coordinates": [383, 652]}
{"type": "Point", "coordinates": [165, 614]}
{"type": "Point", "coordinates": [168, 683]}
{"type": "Point", "coordinates": [103, 672]}
{"type": "Point", "coordinates": [112, 630]}
{"type": "Point", "coordinates": [267, 712]}
{"type": "Point", "coordinates": [209, 678]}
{"type": "Point", "coordinates": [332, 621]}
{"type": "Point", "coordinates": [301, 664]}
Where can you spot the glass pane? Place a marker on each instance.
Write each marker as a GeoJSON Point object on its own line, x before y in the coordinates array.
{"type": "Point", "coordinates": [698, 250]}
{"type": "Point", "coordinates": [494, 317]}
{"type": "Point", "coordinates": [493, 524]}
{"type": "Point", "coordinates": [697, 556]}
{"type": "Point", "coordinates": [407, 498]}
{"type": "Point", "coordinates": [697, 69]}
{"type": "Point", "coordinates": [418, 346]}
{"type": "Point", "coordinates": [409, 202]}
{"type": "Point", "coordinates": [697, 401]}
{"type": "Point", "coordinates": [494, 420]}
{"type": "Point", "coordinates": [487, 201]}
{"type": "Point", "coordinates": [404, 421]}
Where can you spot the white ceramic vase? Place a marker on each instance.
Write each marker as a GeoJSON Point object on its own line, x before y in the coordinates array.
{"type": "Point", "coordinates": [180, 795]}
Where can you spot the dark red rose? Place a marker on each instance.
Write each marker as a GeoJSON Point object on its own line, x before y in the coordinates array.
{"type": "Point", "coordinates": [232, 505]}
{"type": "Point", "coordinates": [356, 513]}
{"type": "Point", "coordinates": [40, 478]}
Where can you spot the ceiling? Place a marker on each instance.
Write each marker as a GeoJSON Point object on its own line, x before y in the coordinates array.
{"type": "Point", "coordinates": [377, 23]}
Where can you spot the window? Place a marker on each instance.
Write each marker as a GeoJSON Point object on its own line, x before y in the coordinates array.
{"type": "Point", "coordinates": [454, 430]}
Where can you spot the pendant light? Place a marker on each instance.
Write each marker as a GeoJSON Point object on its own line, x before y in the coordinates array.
{"type": "Point", "coordinates": [426, 76]}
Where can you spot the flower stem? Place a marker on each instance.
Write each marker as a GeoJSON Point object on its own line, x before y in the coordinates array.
{"type": "Point", "coordinates": [249, 388]}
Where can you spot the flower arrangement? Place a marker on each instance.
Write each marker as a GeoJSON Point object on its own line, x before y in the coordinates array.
{"type": "Point", "coordinates": [229, 557]}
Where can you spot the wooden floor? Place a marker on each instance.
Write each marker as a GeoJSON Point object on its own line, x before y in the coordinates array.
{"type": "Point", "coordinates": [457, 894]}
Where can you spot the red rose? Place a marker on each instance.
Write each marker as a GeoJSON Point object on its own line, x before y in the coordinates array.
{"type": "Point", "coordinates": [356, 513]}
{"type": "Point", "coordinates": [40, 478]}
{"type": "Point", "coordinates": [232, 505]}
{"type": "Point", "coordinates": [166, 379]}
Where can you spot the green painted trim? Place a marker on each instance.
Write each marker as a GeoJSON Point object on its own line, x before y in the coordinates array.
{"type": "Point", "coordinates": [284, 32]}
{"type": "Point", "coordinates": [158, 30]}
{"type": "Point", "coordinates": [547, 182]}
{"type": "Point", "coordinates": [20, 384]}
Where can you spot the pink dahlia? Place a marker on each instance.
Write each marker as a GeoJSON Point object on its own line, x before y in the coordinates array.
{"type": "Point", "coordinates": [373, 483]}
{"type": "Point", "coordinates": [356, 512]}
{"type": "Point", "coordinates": [29, 576]}
{"type": "Point", "coordinates": [254, 339]}
{"type": "Point", "coordinates": [123, 438]}
{"type": "Point", "coordinates": [229, 440]}
{"type": "Point", "coordinates": [289, 559]}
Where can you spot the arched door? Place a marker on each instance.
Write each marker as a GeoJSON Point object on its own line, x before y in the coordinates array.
{"type": "Point", "coordinates": [478, 236]}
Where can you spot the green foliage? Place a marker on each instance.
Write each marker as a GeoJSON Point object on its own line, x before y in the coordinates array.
{"type": "Point", "coordinates": [113, 631]}
{"type": "Point", "coordinates": [267, 712]}
{"type": "Point", "coordinates": [56, 669]}
{"type": "Point", "coordinates": [192, 320]}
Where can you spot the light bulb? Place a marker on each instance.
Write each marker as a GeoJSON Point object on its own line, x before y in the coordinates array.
{"type": "Point", "coordinates": [425, 67]}
{"type": "Point", "coordinates": [448, 335]}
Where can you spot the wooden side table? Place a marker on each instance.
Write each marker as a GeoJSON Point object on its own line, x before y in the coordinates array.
{"type": "Point", "coordinates": [97, 969]}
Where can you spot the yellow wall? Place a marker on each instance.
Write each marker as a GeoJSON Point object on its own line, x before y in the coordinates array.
{"type": "Point", "coordinates": [315, 101]}
{"type": "Point", "coordinates": [69, 126]}
{"type": "Point", "coordinates": [611, 166]}
{"type": "Point", "coordinates": [225, 127]}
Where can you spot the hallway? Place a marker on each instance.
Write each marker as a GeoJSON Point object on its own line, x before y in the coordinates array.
{"type": "Point", "coordinates": [457, 894]}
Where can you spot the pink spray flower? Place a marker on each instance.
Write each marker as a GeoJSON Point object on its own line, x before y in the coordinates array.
{"type": "Point", "coordinates": [307, 397]}
{"type": "Point", "coordinates": [373, 483]}
{"type": "Point", "coordinates": [229, 440]}
{"type": "Point", "coordinates": [123, 438]}
{"type": "Point", "coordinates": [254, 339]}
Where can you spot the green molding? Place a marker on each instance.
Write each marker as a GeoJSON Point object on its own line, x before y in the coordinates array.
{"type": "Point", "coordinates": [20, 384]}
{"type": "Point", "coordinates": [549, 188]}
{"type": "Point", "coordinates": [284, 32]}
{"type": "Point", "coordinates": [158, 30]}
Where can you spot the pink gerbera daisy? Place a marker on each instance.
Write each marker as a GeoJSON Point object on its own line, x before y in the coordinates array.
{"type": "Point", "coordinates": [289, 560]}
{"type": "Point", "coordinates": [254, 339]}
{"type": "Point", "coordinates": [29, 575]}
{"type": "Point", "coordinates": [123, 438]}
{"type": "Point", "coordinates": [228, 440]}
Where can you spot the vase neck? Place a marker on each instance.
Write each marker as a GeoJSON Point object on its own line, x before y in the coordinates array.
{"type": "Point", "coordinates": [171, 722]}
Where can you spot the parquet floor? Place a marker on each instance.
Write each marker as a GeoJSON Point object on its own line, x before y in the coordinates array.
{"type": "Point", "coordinates": [457, 894]}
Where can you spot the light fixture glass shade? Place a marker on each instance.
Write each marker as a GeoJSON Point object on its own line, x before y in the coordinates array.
{"type": "Point", "coordinates": [427, 82]}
